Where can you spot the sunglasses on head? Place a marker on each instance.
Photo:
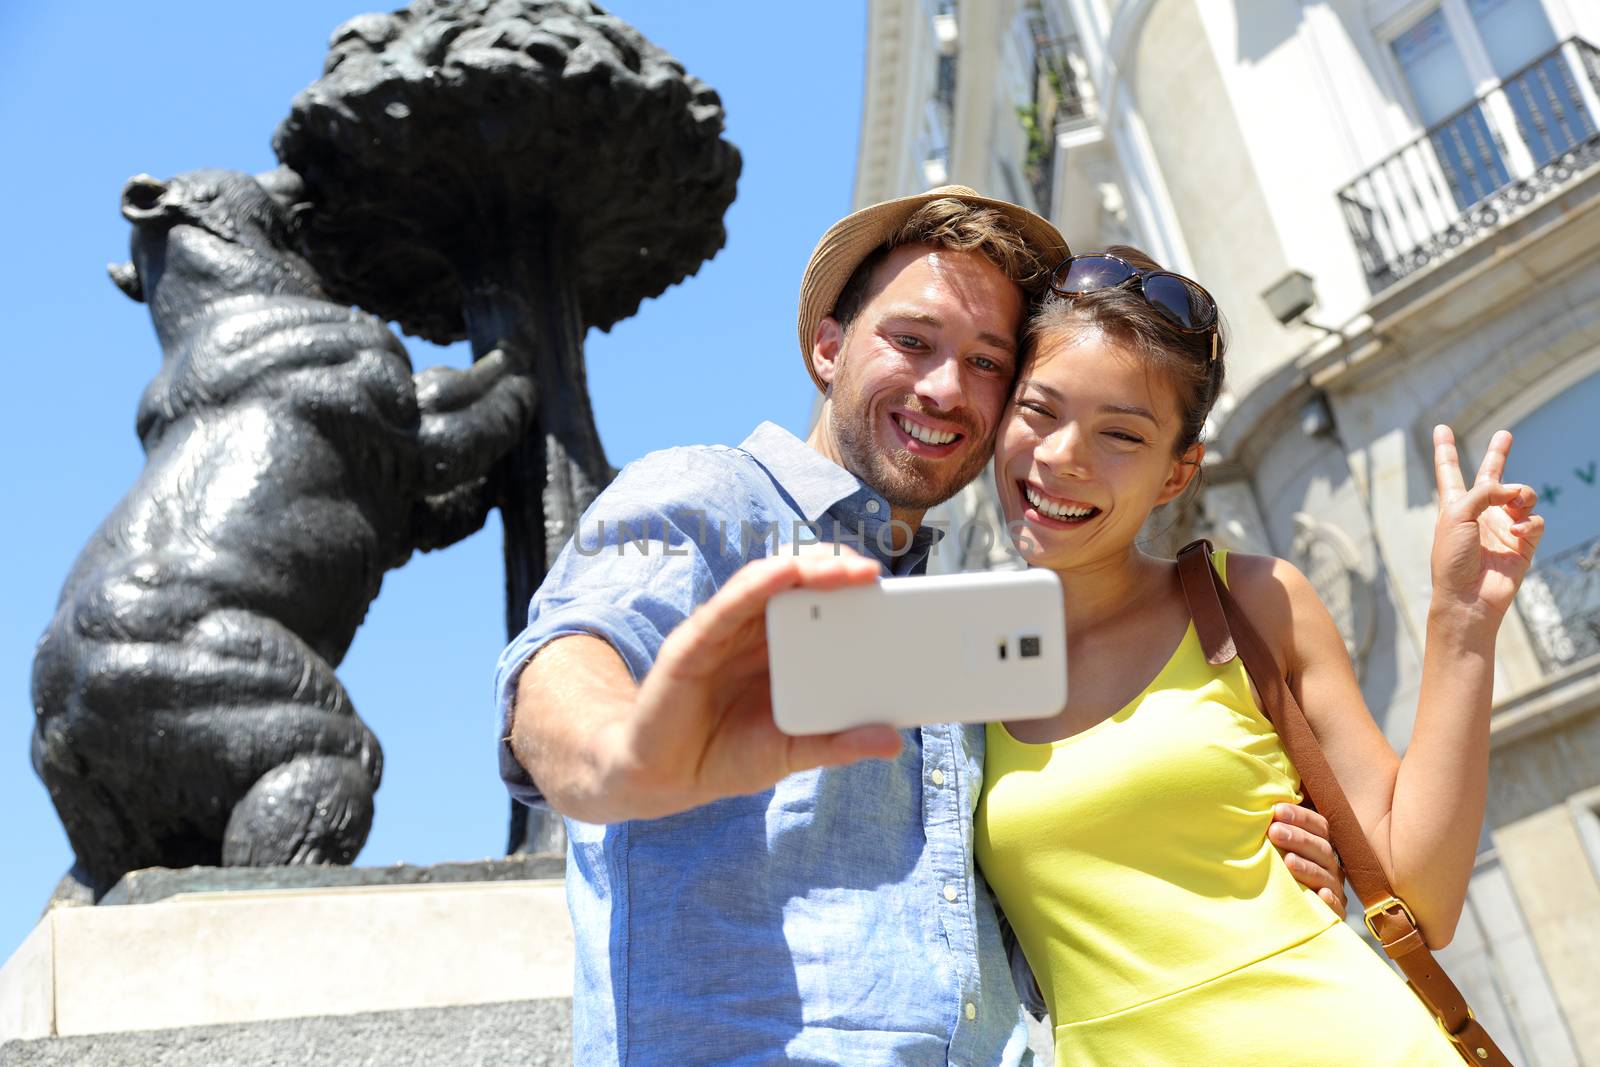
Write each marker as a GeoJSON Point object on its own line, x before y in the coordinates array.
{"type": "Point", "coordinates": [1179, 300]}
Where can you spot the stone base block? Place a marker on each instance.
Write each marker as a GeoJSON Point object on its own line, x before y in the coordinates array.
{"type": "Point", "coordinates": [220, 958]}
{"type": "Point", "coordinates": [533, 1033]}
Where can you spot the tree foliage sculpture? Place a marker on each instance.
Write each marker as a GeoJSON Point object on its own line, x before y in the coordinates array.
{"type": "Point", "coordinates": [511, 172]}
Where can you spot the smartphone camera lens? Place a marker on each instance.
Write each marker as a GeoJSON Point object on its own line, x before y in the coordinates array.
{"type": "Point", "coordinates": [1028, 647]}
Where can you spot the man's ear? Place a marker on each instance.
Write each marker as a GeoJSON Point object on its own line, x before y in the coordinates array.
{"type": "Point", "coordinates": [826, 348]}
{"type": "Point", "coordinates": [1184, 469]}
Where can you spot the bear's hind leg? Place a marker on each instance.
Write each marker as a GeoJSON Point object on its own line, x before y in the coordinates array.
{"type": "Point", "coordinates": [312, 809]}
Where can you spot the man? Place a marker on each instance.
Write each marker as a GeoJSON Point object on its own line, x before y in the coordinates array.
{"type": "Point", "coordinates": [740, 896]}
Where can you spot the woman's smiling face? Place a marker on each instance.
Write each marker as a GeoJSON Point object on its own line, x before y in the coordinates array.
{"type": "Point", "coordinates": [1085, 449]}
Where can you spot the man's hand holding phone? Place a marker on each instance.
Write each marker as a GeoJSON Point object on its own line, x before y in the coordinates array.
{"type": "Point", "coordinates": [702, 727]}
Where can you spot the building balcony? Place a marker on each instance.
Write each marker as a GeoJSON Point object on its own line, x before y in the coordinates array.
{"type": "Point", "coordinates": [1480, 167]}
{"type": "Point", "coordinates": [1061, 99]}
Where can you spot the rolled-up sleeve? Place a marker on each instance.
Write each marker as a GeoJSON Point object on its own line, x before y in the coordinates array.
{"type": "Point", "coordinates": [656, 544]}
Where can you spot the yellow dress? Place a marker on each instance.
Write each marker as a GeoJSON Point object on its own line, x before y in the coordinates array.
{"type": "Point", "coordinates": [1133, 863]}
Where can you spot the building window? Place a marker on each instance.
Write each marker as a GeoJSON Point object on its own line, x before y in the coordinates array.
{"type": "Point", "coordinates": [1560, 598]}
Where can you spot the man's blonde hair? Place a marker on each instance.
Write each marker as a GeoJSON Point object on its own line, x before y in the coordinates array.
{"type": "Point", "coordinates": [956, 226]}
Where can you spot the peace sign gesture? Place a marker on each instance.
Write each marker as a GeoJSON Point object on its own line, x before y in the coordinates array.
{"type": "Point", "coordinates": [1485, 537]}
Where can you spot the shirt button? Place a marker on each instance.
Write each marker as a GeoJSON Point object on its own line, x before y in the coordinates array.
{"type": "Point", "coordinates": [872, 507]}
{"type": "Point", "coordinates": [937, 777]}
{"type": "Point", "coordinates": [972, 1011]}
{"type": "Point", "coordinates": [950, 893]}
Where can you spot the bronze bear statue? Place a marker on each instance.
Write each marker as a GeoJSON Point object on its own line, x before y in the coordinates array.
{"type": "Point", "coordinates": [187, 710]}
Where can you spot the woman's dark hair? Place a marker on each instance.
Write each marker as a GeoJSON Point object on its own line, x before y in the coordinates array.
{"type": "Point", "coordinates": [1126, 318]}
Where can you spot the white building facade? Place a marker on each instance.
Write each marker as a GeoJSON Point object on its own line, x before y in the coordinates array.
{"type": "Point", "coordinates": [1397, 206]}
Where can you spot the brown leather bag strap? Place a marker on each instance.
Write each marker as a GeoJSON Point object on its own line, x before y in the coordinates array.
{"type": "Point", "coordinates": [1224, 632]}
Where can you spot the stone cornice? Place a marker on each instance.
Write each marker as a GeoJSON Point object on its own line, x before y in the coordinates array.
{"type": "Point", "coordinates": [881, 103]}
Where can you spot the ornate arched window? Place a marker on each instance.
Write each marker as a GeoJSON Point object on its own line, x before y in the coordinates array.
{"type": "Point", "coordinates": [1557, 451]}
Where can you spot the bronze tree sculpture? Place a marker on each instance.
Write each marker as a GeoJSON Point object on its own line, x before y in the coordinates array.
{"type": "Point", "coordinates": [513, 172]}
{"type": "Point", "coordinates": [187, 710]}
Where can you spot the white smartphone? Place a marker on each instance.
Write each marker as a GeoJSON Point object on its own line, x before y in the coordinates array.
{"type": "Point", "coordinates": [972, 647]}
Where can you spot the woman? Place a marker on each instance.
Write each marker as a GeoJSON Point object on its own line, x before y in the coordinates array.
{"type": "Point", "coordinates": [1126, 837]}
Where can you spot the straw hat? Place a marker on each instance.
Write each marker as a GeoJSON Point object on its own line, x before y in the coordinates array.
{"type": "Point", "coordinates": [855, 237]}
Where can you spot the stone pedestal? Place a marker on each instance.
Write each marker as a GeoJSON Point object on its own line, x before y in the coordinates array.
{"type": "Point", "coordinates": [390, 965]}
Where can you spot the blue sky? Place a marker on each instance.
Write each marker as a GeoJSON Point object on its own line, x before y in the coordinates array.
{"type": "Point", "coordinates": [93, 93]}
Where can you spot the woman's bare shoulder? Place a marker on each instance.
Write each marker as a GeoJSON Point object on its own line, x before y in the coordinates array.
{"type": "Point", "coordinates": [1283, 606]}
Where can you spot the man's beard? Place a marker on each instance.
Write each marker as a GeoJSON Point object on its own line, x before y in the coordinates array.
{"type": "Point", "coordinates": [908, 482]}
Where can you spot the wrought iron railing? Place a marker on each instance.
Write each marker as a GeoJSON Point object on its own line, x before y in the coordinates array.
{"type": "Point", "coordinates": [1480, 166]}
{"type": "Point", "coordinates": [1560, 605]}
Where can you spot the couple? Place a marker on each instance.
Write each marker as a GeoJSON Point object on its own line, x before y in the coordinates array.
{"type": "Point", "coordinates": [741, 896]}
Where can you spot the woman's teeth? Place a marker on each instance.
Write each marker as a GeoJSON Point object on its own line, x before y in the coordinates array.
{"type": "Point", "coordinates": [1054, 510]}
{"type": "Point", "coordinates": [923, 433]}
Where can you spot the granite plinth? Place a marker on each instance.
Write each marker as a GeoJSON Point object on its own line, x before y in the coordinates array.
{"type": "Point", "coordinates": [187, 950]}
{"type": "Point", "coordinates": [534, 1033]}
{"type": "Point", "coordinates": [158, 883]}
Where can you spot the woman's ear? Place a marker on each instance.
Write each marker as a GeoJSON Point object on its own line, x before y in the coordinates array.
{"type": "Point", "coordinates": [1184, 469]}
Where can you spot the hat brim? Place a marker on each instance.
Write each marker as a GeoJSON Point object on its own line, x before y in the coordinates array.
{"type": "Point", "coordinates": [856, 236]}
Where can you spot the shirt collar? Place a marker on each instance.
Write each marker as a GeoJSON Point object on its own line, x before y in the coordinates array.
{"type": "Point", "coordinates": [815, 482]}
{"type": "Point", "coordinates": [820, 487]}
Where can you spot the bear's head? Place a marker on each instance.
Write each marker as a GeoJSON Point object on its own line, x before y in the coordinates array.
{"type": "Point", "coordinates": [206, 218]}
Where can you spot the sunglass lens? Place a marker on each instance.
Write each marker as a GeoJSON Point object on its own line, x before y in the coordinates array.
{"type": "Point", "coordinates": [1085, 274]}
{"type": "Point", "coordinates": [1177, 301]}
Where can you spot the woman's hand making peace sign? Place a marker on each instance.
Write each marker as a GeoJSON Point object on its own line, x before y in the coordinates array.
{"type": "Point", "coordinates": [1485, 537]}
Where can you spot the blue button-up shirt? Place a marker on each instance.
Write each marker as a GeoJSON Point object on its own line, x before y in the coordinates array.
{"type": "Point", "coordinates": [836, 918]}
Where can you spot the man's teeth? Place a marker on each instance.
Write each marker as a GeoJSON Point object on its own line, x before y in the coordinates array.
{"type": "Point", "coordinates": [923, 434]}
{"type": "Point", "coordinates": [1054, 510]}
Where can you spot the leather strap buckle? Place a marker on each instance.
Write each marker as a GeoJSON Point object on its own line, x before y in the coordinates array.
{"type": "Point", "coordinates": [1383, 907]}
{"type": "Point", "coordinates": [1471, 1049]}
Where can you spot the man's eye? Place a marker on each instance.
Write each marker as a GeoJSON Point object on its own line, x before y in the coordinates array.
{"type": "Point", "coordinates": [985, 363]}
{"type": "Point", "coordinates": [905, 340]}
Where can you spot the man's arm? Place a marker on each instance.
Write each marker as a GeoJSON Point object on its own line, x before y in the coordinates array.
{"type": "Point", "coordinates": [574, 687]}
{"type": "Point", "coordinates": [698, 729]}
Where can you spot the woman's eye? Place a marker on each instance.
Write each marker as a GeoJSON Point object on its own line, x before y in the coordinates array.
{"type": "Point", "coordinates": [1029, 405]}
{"type": "Point", "coordinates": [1133, 439]}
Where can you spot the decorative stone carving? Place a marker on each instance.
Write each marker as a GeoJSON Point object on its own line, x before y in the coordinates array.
{"type": "Point", "coordinates": [1332, 562]}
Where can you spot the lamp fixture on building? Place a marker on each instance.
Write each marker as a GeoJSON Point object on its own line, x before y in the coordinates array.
{"type": "Point", "coordinates": [1291, 298]}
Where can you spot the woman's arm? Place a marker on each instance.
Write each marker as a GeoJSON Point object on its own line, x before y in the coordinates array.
{"type": "Point", "coordinates": [1423, 814]}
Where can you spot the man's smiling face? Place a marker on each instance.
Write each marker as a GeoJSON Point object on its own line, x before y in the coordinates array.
{"type": "Point", "coordinates": [917, 383]}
